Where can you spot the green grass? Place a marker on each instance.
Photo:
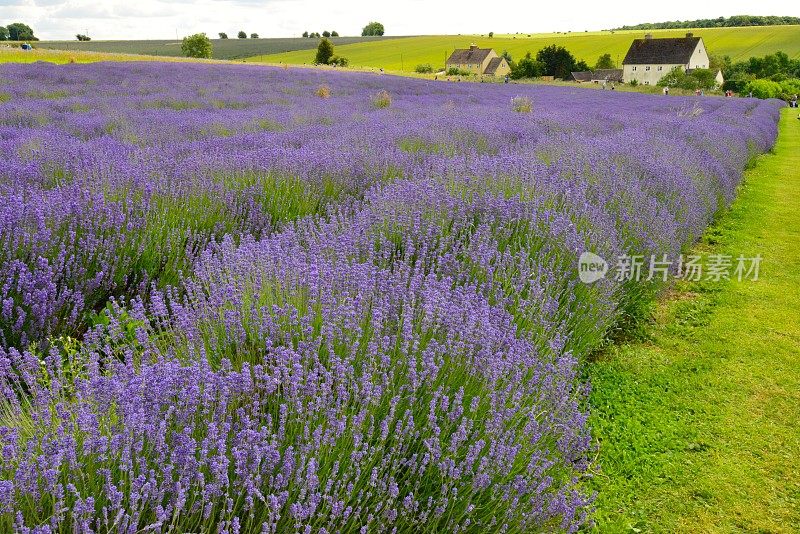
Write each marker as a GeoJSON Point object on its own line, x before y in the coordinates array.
{"type": "Point", "coordinates": [698, 426]}
{"type": "Point", "coordinates": [222, 48]}
{"type": "Point", "coordinates": [406, 54]}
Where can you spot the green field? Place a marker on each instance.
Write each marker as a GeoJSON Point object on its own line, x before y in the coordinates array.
{"type": "Point", "coordinates": [697, 427]}
{"type": "Point", "coordinates": [16, 55]}
{"type": "Point", "coordinates": [405, 54]}
{"type": "Point", "coordinates": [223, 48]}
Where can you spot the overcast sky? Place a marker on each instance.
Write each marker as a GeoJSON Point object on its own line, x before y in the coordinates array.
{"type": "Point", "coordinates": [162, 19]}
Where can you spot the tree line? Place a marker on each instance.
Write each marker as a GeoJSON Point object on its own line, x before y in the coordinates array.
{"type": "Point", "coordinates": [241, 35]}
{"type": "Point", "coordinates": [719, 22]}
{"type": "Point", "coordinates": [770, 76]}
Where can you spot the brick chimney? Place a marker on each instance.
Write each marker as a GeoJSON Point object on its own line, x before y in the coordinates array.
{"type": "Point", "coordinates": [648, 36]}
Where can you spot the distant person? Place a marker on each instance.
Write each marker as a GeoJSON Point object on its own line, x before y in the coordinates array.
{"type": "Point", "coordinates": [750, 94]}
{"type": "Point", "coordinates": [666, 91]}
{"type": "Point", "coordinates": [505, 80]}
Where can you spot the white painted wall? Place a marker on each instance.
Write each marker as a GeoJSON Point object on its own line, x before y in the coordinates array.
{"type": "Point", "coordinates": [651, 74]}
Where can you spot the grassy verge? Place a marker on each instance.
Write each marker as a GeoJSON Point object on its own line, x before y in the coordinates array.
{"type": "Point", "coordinates": [698, 426]}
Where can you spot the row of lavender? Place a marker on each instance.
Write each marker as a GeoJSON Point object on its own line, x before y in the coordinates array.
{"type": "Point", "coordinates": [231, 299]}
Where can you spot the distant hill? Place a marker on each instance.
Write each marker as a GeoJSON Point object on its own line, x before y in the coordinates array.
{"type": "Point", "coordinates": [405, 54]}
{"type": "Point", "coordinates": [223, 48]}
{"type": "Point", "coordinates": [736, 21]}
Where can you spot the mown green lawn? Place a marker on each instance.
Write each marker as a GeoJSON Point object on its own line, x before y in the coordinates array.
{"type": "Point", "coordinates": [405, 54]}
{"type": "Point", "coordinates": [699, 427]}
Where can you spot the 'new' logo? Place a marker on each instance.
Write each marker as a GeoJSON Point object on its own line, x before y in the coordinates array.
{"type": "Point", "coordinates": [591, 267]}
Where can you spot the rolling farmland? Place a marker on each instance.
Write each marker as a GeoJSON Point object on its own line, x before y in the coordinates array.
{"type": "Point", "coordinates": [223, 48]}
{"type": "Point", "coordinates": [404, 55]}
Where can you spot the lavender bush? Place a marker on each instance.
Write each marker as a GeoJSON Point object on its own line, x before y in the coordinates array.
{"type": "Point", "coordinates": [230, 305]}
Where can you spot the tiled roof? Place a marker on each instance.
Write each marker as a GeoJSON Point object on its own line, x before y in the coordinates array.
{"type": "Point", "coordinates": [583, 76]}
{"type": "Point", "coordinates": [493, 64]}
{"type": "Point", "coordinates": [669, 51]}
{"type": "Point", "coordinates": [469, 56]}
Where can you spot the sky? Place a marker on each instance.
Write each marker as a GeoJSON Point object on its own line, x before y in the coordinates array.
{"type": "Point", "coordinates": [166, 19]}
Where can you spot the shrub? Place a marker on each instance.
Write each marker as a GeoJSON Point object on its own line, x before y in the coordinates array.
{"type": "Point", "coordinates": [455, 71]}
{"type": "Point", "coordinates": [522, 104]}
{"type": "Point", "coordinates": [763, 88]}
{"type": "Point", "coordinates": [382, 100]}
{"type": "Point", "coordinates": [424, 68]}
{"type": "Point", "coordinates": [323, 91]}
{"type": "Point", "coordinates": [197, 45]}
{"type": "Point", "coordinates": [339, 61]}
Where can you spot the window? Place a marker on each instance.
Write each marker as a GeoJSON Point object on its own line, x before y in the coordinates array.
{"type": "Point", "coordinates": [647, 67]}
{"type": "Point", "coordinates": [647, 83]}
{"type": "Point", "coordinates": [660, 67]}
{"type": "Point", "coordinates": [634, 68]}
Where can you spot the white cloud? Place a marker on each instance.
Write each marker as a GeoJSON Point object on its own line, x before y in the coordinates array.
{"type": "Point", "coordinates": [154, 19]}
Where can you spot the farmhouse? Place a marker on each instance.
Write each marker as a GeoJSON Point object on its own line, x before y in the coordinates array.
{"type": "Point", "coordinates": [648, 60]}
{"type": "Point", "coordinates": [476, 60]}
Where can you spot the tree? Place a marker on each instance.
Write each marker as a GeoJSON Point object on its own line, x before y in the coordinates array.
{"type": "Point", "coordinates": [558, 61]}
{"type": "Point", "coordinates": [334, 33]}
{"type": "Point", "coordinates": [326, 34]}
{"type": "Point", "coordinates": [605, 62]}
{"type": "Point", "coordinates": [527, 67]}
{"type": "Point", "coordinates": [20, 32]}
{"type": "Point", "coordinates": [223, 35]}
{"type": "Point", "coordinates": [373, 28]}
{"type": "Point", "coordinates": [3, 33]}
{"type": "Point", "coordinates": [491, 34]}
{"type": "Point", "coordinates": [242, 35]}
{"type": "Point", "coordinates": [82, 37]}
{"type": "Point", "coordinates": [253, 36]}
{"type": "Point", "coordinates": [507, 57]}
{"type": "Point", "coordinates": [324, 52]}
{"type": "Point", "coordinates": [305, 34]}
{"type": "Point", "coordinates": [197, 45]}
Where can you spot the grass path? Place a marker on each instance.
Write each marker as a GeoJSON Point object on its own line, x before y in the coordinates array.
{"type": "Point", "coordinates": [699, 427]}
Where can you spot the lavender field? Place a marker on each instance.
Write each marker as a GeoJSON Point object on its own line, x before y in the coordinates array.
{"type": "Point", "coordinates": [242, 299]}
